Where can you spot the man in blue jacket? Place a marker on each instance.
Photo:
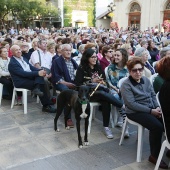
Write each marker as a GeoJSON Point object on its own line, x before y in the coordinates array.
{"type": "Point", "coordinates": [26, 76]}
{"type": "Point", "coordinates": [63, 74]}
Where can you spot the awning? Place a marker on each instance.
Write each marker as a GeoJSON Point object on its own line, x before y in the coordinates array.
{"type": "Point", "coordinates": [79, 21]}
{"type": "Point", "coordinates": [103, 15]}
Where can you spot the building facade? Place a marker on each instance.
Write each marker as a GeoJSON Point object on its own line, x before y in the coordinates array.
{"type": "Point", "coordinates": [138, 13]}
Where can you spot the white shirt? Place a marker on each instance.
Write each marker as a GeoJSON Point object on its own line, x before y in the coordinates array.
{"type": "Point", "coordinates": [46, 59]}
{"type": "Point", "coordinates": [23, 64]}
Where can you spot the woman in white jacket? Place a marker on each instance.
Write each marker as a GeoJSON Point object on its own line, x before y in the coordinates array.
{"type": "Point", "coordinates": [5, 78]}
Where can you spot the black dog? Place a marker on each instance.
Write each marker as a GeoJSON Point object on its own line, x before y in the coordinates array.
{"type": "Point", "coordinates": [79, 101]}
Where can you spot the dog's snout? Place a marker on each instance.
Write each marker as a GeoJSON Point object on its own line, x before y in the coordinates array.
{"type": "Point", "coordinates": [84, 98]}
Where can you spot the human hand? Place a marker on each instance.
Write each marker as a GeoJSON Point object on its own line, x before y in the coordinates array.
{"type": "Point", "coordinates": [42, 73]}
{"type": "Point", "coordinates": [97, 80]}
{"type": "Point", "coordinates": [156, 112]}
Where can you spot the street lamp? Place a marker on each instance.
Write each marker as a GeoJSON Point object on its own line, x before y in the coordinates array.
{"type": "Point", "coordinates": [111, 7]}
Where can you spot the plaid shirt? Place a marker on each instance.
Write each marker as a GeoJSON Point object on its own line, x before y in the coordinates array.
{"type": "Point", "coordinates": [70, 68]}
{"type": "Point", "coordinates": [115, 74]}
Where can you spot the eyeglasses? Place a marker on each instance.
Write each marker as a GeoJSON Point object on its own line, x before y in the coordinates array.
{"type": "Point", "coordinates": [93, 57]}
{"type": "Point", "coordinates": [137, 69]}
{"type": "Point", "coordinates": [110, 51]}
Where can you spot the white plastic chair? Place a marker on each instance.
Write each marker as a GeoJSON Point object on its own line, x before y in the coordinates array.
{"type": "Point", "coordinates": [140, 130]}
{"type": "Point", "coordinates": [93, 106]}
{"type": "Point", "coordinates": [140, 137]}
{"type": "Point", "coordinates": [154, 64]}
{"type": "Point", "coordinates": [164, 144]}
{"type": "Point", "coordinates": [24, 98]}
{"type": "Point", "coordinates": [1, 91]}
{"type": "Point", "coordinates": [152, 78]}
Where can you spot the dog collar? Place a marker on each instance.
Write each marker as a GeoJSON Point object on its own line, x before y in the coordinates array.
{"type": "Point", "coordinates": [82, 102]}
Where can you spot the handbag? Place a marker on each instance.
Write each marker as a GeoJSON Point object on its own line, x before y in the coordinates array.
{"type": "Point", "coordinates": [48, 71]}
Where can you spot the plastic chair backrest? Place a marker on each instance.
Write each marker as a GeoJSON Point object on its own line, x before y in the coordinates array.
{"type": "Point", "coordinates": [121, 81]}
{"type": "Point", "coordinates": [152, 78]}
{"type": "Point", "coordinates": [157, 97]}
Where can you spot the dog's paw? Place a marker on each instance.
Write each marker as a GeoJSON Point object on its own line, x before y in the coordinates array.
{"type": "Point", "coordinates": [58, 130]}
{"type": "Point", "coordinates": [67, 128]}
{"type": "Point", "coordinates": [86, 143]}
{"type": "Point", "coordinates": [80, 146]}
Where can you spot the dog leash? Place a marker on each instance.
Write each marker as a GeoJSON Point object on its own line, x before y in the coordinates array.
{"type": "Point", "coordinates": [95, 89]}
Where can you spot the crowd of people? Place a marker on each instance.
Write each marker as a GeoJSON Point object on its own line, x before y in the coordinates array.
{"type": "Point", "coordinates": [43, 59]}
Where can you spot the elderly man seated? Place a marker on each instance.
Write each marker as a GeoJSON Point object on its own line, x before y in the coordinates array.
{"type": "Point", "coordinates": [63, 74]}
{"type": "Point", "coordinates": [26, 76]}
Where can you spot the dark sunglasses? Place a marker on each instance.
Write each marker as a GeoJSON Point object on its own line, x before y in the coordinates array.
{"type": "Point", "coordinates": [137, 69]}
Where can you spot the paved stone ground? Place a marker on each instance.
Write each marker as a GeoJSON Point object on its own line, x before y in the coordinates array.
{"type": "Point", "coordinates": [28, 142]}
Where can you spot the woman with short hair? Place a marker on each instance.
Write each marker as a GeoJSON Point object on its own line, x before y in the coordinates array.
{"type": "Point", "coordinates": [142, 107]}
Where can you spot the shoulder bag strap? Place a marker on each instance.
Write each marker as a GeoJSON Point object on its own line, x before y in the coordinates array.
{"type": "Point", "coordinates": [39, 57]}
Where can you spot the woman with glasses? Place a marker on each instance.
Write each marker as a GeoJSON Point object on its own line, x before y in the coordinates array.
{"type": "Point", "coordinates": [107, 53]}
{"type": "Point", "coordinates": [89, 72]}
{"type": "Point", "coordinates": [142, 107]}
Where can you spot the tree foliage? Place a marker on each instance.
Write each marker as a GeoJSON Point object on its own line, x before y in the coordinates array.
{"type": "Point", "coordinates": [84, 5]}
{"type": "Point", "coordinates": [25, 9]}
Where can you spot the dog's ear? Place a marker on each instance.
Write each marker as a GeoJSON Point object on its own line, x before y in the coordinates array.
{"type": "Point", "coordinates": [77, 88]}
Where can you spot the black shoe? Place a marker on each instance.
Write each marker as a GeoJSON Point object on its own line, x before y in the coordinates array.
{"type": "Point", "coordinates": [153, 160]}
{"type": "Point", "coordinates": [37, 91]}
{"type": "Point", "coordinates": [49, 109]}
{"type": "Point", "coordinates": [168, 153]}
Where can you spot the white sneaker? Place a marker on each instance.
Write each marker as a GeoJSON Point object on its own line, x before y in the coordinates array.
{"type": "Point", "coordinates": [108, 133]}
{"type": "Point", "coordinates": [119, 122]}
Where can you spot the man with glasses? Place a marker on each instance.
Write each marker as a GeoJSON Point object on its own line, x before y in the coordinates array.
{"type": "Point", "coordinates": [41, 59]}
{"type": "Point", "coordinates": [63, 74]}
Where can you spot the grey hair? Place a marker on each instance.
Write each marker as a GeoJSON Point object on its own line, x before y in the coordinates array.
{"type": "Point", "coordinates": [65, 45]}
{"type": "Point", "coordinates": [164, 51]}
{"type": "Point", "coordinates": [81, 47]}
{"type": "Point", "coordinates": [139, 51]}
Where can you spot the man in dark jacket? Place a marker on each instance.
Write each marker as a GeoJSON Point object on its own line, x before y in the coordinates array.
{"type": "Point", "coordinates": [28, 77]}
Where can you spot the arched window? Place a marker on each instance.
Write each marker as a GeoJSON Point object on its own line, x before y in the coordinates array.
{"type": "Point", "coordinates": [135, 7]}
{"type": "Point", "coordinates": [168, 5]}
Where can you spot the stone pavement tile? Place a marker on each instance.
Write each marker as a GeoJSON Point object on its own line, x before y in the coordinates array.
{"type": "Point", "coordinates": [35, 165]}
{"type": "Point", "coordinates": [13, 134]}
{"type": "Point", "coordinates": [43, 127]}
{"type": "Point", "coordinates": [6, 122]}
{"type": "Point", "coordinates": [144, 165]}
{"type": "Point", "coordinates": [20, 153]}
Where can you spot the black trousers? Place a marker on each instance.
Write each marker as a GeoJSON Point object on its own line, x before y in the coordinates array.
{"type": "Point", "coordinates": [155, 127]}
{"type": "Point", "coordinates": [7, 82]}
{"type": "Point", "coordinates": [106, 99]}
{"type": "Point", "coordinates": [30, 84]}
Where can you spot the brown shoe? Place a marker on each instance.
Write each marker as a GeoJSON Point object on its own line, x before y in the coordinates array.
{"type": "Point", "coordinates": [153, 160]}
{"type": "Point", "coordinates": [70, 123]}
{"type": "Point", "coordinates": [168, 153]}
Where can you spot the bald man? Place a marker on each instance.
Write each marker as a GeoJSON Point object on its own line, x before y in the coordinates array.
{"type": "Point", "coordinates": [24, 75]}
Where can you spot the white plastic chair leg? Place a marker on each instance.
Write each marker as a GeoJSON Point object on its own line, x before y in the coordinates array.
{"type": "Point", "coordinates": [13, 98]}
{"type": "Point", "coordinates": [1, 90]}
{"type": "Point", "coordinates": [160, 155]}
{"type": "Point", "coordinates": [140, 143]}
{"type": "Point", "coordinates": [25, 100]}
{"type": "Point", "coordinates": [123, 132]}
